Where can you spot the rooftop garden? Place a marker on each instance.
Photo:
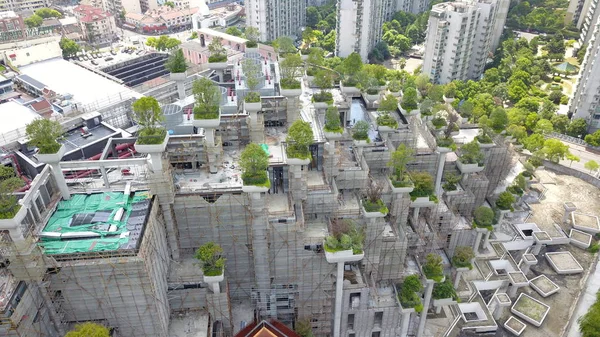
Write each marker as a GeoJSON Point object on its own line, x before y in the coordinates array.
{"type": "Point", "coordinates": [284, 46]}
{"type": "Point", "coordinates": [44, 134]}
{"type": "Point", "coordinates": [388, 105]}
{"type": "Point", "coordinates": [409, 293]}
{"type": "Point", "coordinates": [252, 97]}
{"type": "Point", "coordinates": [252, 75]}
{"type": "Point", "coordinates": [394, 86]}
{"type": "Point", "coordinates": [149, 116]}
{"type": "Point", "coordinates": [505, 201]}
{"type": "Point", "coordinates": [483, 217]}
{"type": "Point", "coordinates": [423, 186]}
{"type": "Point", "coordinates": [345, 235]}
{"type": "Point", "coordinates": [433, 268]}
{"type": "Point", "coordinates": [299, 138]}
{"type": "Point", "coordinates": [409, 99]}
{"type": "Point", "coordinates": [9, 182]}
{"type": "Point", "coordinates": [208, 97]}
{"type": "Point", "coordinates": [398, 162]}
{"type": "Point", "coordinates": [254, 162]}
{"type": "Point", "coordinates": [360, 131]}
{"type": "Point", "coordinates": [176, 62]}
{"type": "Point", "coordinates": [484, 138]}
{"type": "Point", "coordinates": [372, 201]}
{"type": "Point", "coordinates": [470, 153]}
{"type": "Point", "coordinates": [332, 120]}
{"type": "Point", "coordinates": [252, 35]}
{"type": "Point", "coordinates": [451, 182]}
{"type": "Point", "coordinates": [444, 290]}
{"type": "Point", "coordinates": [218, 54]}
{"type": "Point", "coordinates": [291, 68]}
{"type": "Point", "coordinates": [462, 257]}
{"type": "Point", "coordinates": [209, 255]}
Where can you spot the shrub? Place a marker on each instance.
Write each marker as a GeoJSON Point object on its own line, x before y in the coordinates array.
{"type": "Point", "coordinates": [44, 134]}
{"type": "Point", "coordinates": [332, 120]}
{"type": "Point", "coordinates": [290, 83]}
{"type": "Point", "coordinates": [439, 122]}
{"type": "Point", "coordinates": [444, 290]}
{"type": "Point", "coordinates": [557, 79]}
{"type": "Point", "coordinates": [594, 248]}
{"type": "Point", "coordinates": [254, 162]}
{"type": "Point", "coordinates": [462, 257]}
{"type": "Point", "coordinates": [323, 96]}
{"type": "Point", "coordinates": [505, 201]}
{"type": "Point", "coordinates": [299, 138]}
{"type": "Point", "coordinates": [451, 182]}
{"type": "Point", "coordinates": [312, 71]}
{"type": "Point", "coordinates": [484, 138]}
{"type": "Point", "coordinates": [89, 329]}
{"type": "Point", "coordinates": [564, 99]}
{"type": "Point", "coordinates": [470, 153]}
{"type": "Point", "coordinates": [360, 131]}
{"type": "Point", "coordinates": [446, 142]}
{"type": "Point", "coordinates": [483, 217]}
{"type": "Point", "coordinates": [394, 86]}
{"type": "Point", "coordinates": [252, 97]}
{"type": "Point", "coordinates": [217, 58]}
{"type": "Point", "coordinates": [373, 202]}
{"type": "Point", "coordinates": [408, 293]}
{"type": "Point", "coordinates": [148, 115]}
{"type": "Point", "coordinates": [385, 119]}
{"type": "Point", "coordinates": [251, 44]}
{"type": "Point", "coordinates": [344, 235]}
{"type": "Point", "coordinates": [514, 189]}
{"type": "Point", "coordinates": [423, 185]}
{"type": "Point", "coordinates": [398, 161]}
{"type": "Point", "coordinates": [207, 98]}
{"type": "Point", "coordinates": [176, 62]}
{"type": "Point", "coordinates": [433, 268]}
{"type": "Point", "coordinates": [9, 182]}
{"type": "Point", "coordinates": [409, 99]}
{"type": "Point", "coordinates": [210, 257]}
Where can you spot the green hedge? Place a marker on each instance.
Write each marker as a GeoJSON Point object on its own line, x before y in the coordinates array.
{"type": "Point", "coordinates": [290, 83]}
{"type": "Point", "coordinates": [149, 137]}
{"type": "Point", "coordinates": [217, 58]}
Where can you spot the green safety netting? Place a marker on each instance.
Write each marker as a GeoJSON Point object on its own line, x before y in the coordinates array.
{"type": "Point", "coordinates": [265, 147]}
{"type": "Point", "coordinates": [77, 215]}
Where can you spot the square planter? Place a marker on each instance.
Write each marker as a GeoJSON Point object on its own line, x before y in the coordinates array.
{"type": "Point", "coordinates": [442, 302]}
{"type": "Point", "coordinates": [251, 50]}
{"type": "Point", "coordinates": [360, 143]}
{"type": "Point", "coordinates": [178, 76]}
{"type": "Point", "coordinates": [320, 105]}
{"type": "Point", "coordinates": [217, 65]}
{"type": "Point", "coordinates": [349, 90]}
{"type": "Point", "coordinates": [371, 98]}
{"type": "Point", "coordinates": [252, 107]}
{"type": "Point", "coordinates": [515, 326]}
{"type": "Point", "coordinates": [214, 279]}
{"type": "Point", "coordinates": [580, 239]}
{"type": "Point", "coordinates": [413, 112]}
{"type": "Point", "coordinates": [16, 220]}
{"type": "Point", "coordinates": [343, 256]}
{"type": "Point", "coordinates": [152, 148]}
{"type": "Point", "coordinates": [543, 285]}
{"type": "Point", "coordinates": [385, 128]}
{"type": "Point", "coordinates": [290, 92]}
{"type": "Point", "coordinates": [422, 202]}
{"type": "Point", "coordinates": [333, 135]}
{"type": "Point", "coordinates": [453, 192]}
{"type": "Point", "coordinates": [297, 161]}
{"type": "Point", "coordinates": [254, 189]}
{"type": "Point", "coordinates": [406, 189]}
{"type": "Point", "coordinates": [468, 168]}
{"type": "Point", "coordinates": [395, 94]}
{"type": "Point", "coordinates": [530, 309]}
{"type": "Point", "coordinates": [486, 145]}
{"type": "Point", "coordinates": [441, 149]}
{"type": "Point", "coordinates": [52, 157]}
{"type": "Point", "coordinates": [448, 99]}
{"type": "Point", "coordinates": [371, 215]}
{"type": "Point", "coordinates": [207, 123]}
{"type": "Point", "coordinates": [303, 57]}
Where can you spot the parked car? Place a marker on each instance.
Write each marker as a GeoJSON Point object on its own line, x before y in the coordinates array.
{"type": "Point", "coordinates": [108, 59]}
{"type": "Point", "coordinates": [94, 62]}
{"type": "Point", "coordinates": [113, 52]}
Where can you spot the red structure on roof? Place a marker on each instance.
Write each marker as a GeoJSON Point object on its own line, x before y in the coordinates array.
{"type": "Point", "coordinates": [87, 13]}
{"type": "Point", "coordinates": [272, 328]}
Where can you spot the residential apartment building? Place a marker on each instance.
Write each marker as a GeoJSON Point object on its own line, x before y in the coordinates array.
{"type": "Point", "coordinates": [584, 14]}
{"type": "Point", "coordinates": [22, 5]}
{"type": "Point", "coordinates": [275, 18]}
{"type": "Point", "coordinates": [11, 27]}
{"type": "Point", "coordinates": [98, 26]}
{"type": "Point", "coordinates": [162, 19]}
{"type": "Point", "coordinates": [460, 38]}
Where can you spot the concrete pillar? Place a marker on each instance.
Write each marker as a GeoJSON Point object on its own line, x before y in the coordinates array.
{"type": "Point", "coordinates": [459, 272]}
{"type": "Point", "coordinates": [215, 287]}
{"type": "Point", "coordinates": [405, 324]}
{"type": "Point", "coordinates": [426, 301]}
{"type": "Point", "coordinates": [512, 291]}
{"type": "Point", "coordinates": [537, 248]}
{"type": "Point", "coordinates": [477, 242]}
{"type": "Point", "coordinates": [339, 289]}
{"type": "Point", "coordinates": [440, 172]}
{"type": "Point", "coordinates": [486, 238]}
{"type": "Point", "coordinates": [260, 250]}
{"type": "Point", "coordinates": [56, 321]}
{"type": "Point", "coordinates": [60, 181]}
{"type": "Point", "coordinates": [416, 216]}
{"type": "Point", "coordinates": [498, 312]}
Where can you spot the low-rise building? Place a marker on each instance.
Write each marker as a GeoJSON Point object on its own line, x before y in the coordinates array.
{"type": "Point", "coordinates": [21, 5]}
{"type": "Point", "coordinates": [222, 16]}
{"type": "Point", "coordinates": [11, 26]}
{"type": "Point", "coordinates": [160, 20]}
{"type": "Point", "coordinates": [98, 26]}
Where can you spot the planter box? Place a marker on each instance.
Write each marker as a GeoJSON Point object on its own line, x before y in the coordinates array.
{"type": "Point", "coordinates": [443, 149]}
{"type": "Point", "coordinates": [349, 90]}
{"type": "Point", "coordinates": [453, 192]}
{"type": "Point", "coordinates": [485, 145]}
{"type": "Point", "coordinates": [372, 97]}
{"type": "Point", "coordinates": [252, 107]}
{"type": "Point", "coordinates": [540, 310]}
{"type": "Point", "coordinates": [515, 326]}
{"type": "Point", "coordinates": [297, 161]}
{"type": "Point", "coordinates": [580, 239]}
{"type": "Point", "coordinates": [468, 168]}
{"type": "Point", "coordinates": [360, 143]}
{"type": "Point", "coordinates": [303, 57]}
{"type": "Point", "coordinates": [254, 189]}
{"type": "Point", "coordinates": [448, 99]}
{"type": "Point", "coordinates": [385, 128]}
{"type": "Point", "coordinates": [152, 148]}
{"type": "Point", "coordinates": [320, 105]}
{"type": "Point", "coordinates": [333, 135]}
{"type": "Point", "coordinates": [422, 202]}
{"type": "Point", "coordinates": [290, 92]}
{"type": "Point", "coordinates": [413, 112]}
{"type": "Point", "coordinates": [178, 76]}
{"type": "Point", "coordinates": [52, 157]}
{"type": "Point", "coordinates": [464, 120]}
{"type": "Point", "coordinates": [214, 279]}
{"type": "Point", "coordinates": [218, 65]}
{"type": "Point", "coordinates": [543, 285]}
{"type": "Point", "coordinates": [395, 94]}
{"type": "Point", "coordinates": [370, 215]}
{"type": "Point", "coordinates": [407, 189]}
{"type": "Point", "coordinates": [15, 221]}
{"type": "Point", "coordinates": [343, 256]}
{"type": "Point", "coordinates": [442, 302]}
{"type": "Point", "coordinates": [251, 50]}
{"type": "Point", "coordinates": [207, 123]}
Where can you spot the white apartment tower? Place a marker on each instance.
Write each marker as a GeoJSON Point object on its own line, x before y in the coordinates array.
{"type": "Point", "coordinates": [275, 18]}
{"type": "Point", "coordinates": [359, 22]}
{"type": "Point", "coordinates": [586, 100]}
{"type": "Point", "coordinates": [460, 38]}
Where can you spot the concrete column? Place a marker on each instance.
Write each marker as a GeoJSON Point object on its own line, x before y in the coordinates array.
{"type": "Point", "coordinates": [498, 312]}
{"type": "Point", "coordinates": [537, 248]}
{"type": "Point", "coordinates": [459, 272]}
{"type": "Point", "coordinates": [426, 301]}
{"type": "Point", "coordinates": [260, 250]}
{"type": "Point", "coordinates": [440, 172]}
{"type": "Point", "coordinates": [156, 161]}
{"type": "Point", "coordinates": [215, 287]}
{"type": "Point", "coordinates": [339, 289]}
{"type": "Point", "coordinates": [512, 291]}
{"type": "Point", "coordinates": [416, 216]}
{"type": "Point", "coordinates": [405, 324]}
{"type": "Point", "coordinates": [477, 242]}
{"type": "Point", "coordinates": [181, 89]}
{"type": "Point", "coordinates": [486, 238]}
{"type": "Point", "coordinates": [56, 321]}
{"type": "Point", "coordinates": [209, 136]}
{"type": "Point", "coordinates": [60, 180]}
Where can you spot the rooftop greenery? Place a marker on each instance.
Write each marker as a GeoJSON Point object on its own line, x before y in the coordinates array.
{"type": "Point", "coordinates": [176, 62]}
{"type": "Point", "coordinates": [398, 162]}
{"type": "Point", "coordinates": [462, 257]}
{"type": "Point", "coordinates": [433, 268]}
{"type": "Point", "coordinates": [149, 116]}
{"type": "Point", "coordinates": [209, 255]}
{"type": "Point", "coordinates": [332, 120]}
{"type": "Point", "coordinates": [345, 235]}
{"type": "Point", "coordinates": [299, 138]}
{"type": "Point", "coordinates": [408, 293]}
{"type": "Point", "coordinates": [207, 97]}
{"type": "Point", "coordinates": [254, 162]}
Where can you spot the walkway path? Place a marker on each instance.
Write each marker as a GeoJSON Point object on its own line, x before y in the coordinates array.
{"type": "Point", "coordinates": [585, 301]}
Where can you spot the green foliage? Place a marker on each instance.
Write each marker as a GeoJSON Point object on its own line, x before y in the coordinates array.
{"type": "Point", "coordinates": [534, 142]}
{"type": "Point", "coordinates": [439, 122]}
{"type": "Point", "coordinates": [470, 153]}
{"type": "Point", "coordinates": [505, 201]}
{"type": "Point", "coordinates": [444, 290]}
{"type": "Point", "coordinates": [299, 138]}
{"type": "Point", "coordinates": [34, 21]}
{"type": "Point", "coordinates": [394, 86]}
{"type": "Point", "coordinates": [46, 13]}
{"type": "Point", "coordinates": [254, 162]}
{"type": "Point", "coordinates": [433, 268]}
{"type": "Point", "coordinates": [594, 248]}
{"type": "Point", "coordinates": [209, 255]}
{"type": "Point", "coordinates": [589, 324]}
{"type": "Point", "coordinates": [170, 4]}
{"type": "Point", "coordinates": [217, 58]}
{"type": "Point", "coordinates": [304, 328]}
{"type": "Point", "coordinates": [332, 120]}
{"type": "Point", "coordinates": [577, 127]}
{"type": "Point", "coordinates": [69, 47]}
{"type": "Point", "coordinates": [462, 257]}
{"type": "Point", "coordinates": [344, 236]}
{"type": "Point", "coordinates": [398, 162]}
{"type": "Point", "coordinates": [149, 116]}
{"type": "Point", "coordinates": [484, 217]}
{"type": "Point", "coordinates": [89, 329]}
{"type": "Point", "coordinates": [409, 99]}
{"type": "Point", "coordinates": [484, 138]}
{"type": "Point", "coordinates": [207, 98]}
{"type": "Point", "coordinates": [291, 67]}
{"type": "Point", "coordinates": [323, 79]}
{"type": "Point", "coordinates": [389, 103]}
{"type": "Point", "coordinates": [252, 97]}
{"type": "Point", "coordinates": [385, 119]}
{"type": "Point", "coordinates": [195, 34]}
{"type": "Point", "coordinates": [252, 73]}
{"type": "Point", "coordinates": [284, 45]}
{"type": "Point", "coordinates": [593, 138]}
{"type": "Point", "coordinates": [323, 96]}
{"type": "Point", "coordinates": [592, 165]}
{"type": "Point", "coordinates": [352, 64]}
{"type": "Point", "coordinates": [423, 184]}
{"type": "Point", "coordinates": [360, 131]}
{"type": "Point", "coordinates": [555, 150]}
{"type": "Point", "coordinates": [176, 62]}
{"type": "Point", "coordinates": [451, 181]}
{"type": "Point", "coordinates": [217, 51]}
{"type": "Point", "coordinates": [408, 293]}
{"type": "Point", "coordinates": [44, 134]}
{"type": "Point", "coordinates": [450, 90]}
{"type": "Point", "coordinates": [9, 182]}
{"type": "Point", "coordinates": [162, 43]}
{"type": "Point", "coordinates": [252, 34]}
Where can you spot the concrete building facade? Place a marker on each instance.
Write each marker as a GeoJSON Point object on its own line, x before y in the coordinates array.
{"type": "Point", "coordinates": [22, 5]}
{"type": "Point", "coordinates": [97, 25]}
{"type": "Point", "coordinates": [460, 38]}
{"type": "Point", "coordinates": [275, 18]}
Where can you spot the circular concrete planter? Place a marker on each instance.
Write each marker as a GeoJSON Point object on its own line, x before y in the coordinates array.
{"type": "Point", "coordinates": [218, 65]}
{"type": "Point", "coordinates": [52, 157]}
{"type": "Point", "coordinates": [251, 50]}
{"type": "Point", "coordinates": [214, 279]}
{"type": "Point", "coordinates": [152, 148]}
{"type": "Point", "coordinates": [253, 107]}
{"type": "Point", "coordinates": [178, 76]}
{"type": "Point", "coordinates": [343, 256]}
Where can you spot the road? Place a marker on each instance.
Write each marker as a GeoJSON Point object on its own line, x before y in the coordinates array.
{"type": "Point", "coordinates": [584, 156]}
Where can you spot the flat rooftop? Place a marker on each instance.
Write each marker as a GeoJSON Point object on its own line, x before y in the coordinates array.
{"type": "Point", "coordinates": [75, 139]}
{"type": "Point", "coordinates": [91, 223]}
{"type": "Point", "coordinates": [15, 116]}
{"type": "Point", "coordinates": [86, 87]}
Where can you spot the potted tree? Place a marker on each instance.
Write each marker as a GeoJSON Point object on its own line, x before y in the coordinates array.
{"type": "Point", "coordinates": [177, 66]}
{"type": "Point", "coordinates": [399, 177]}
{"type": "Point", "coordinates": [444, 294]}
{"type": "Point", "coordinates": [484, 139]}
{"type": "Point", "coordinates": [291, 68]}
{"type": "Point", "coordinates": [254, 162]}
{"type": "Point", "coordinates": [299, 138]}
{"type": "Point", "coordinates": [206, 108]}
{"type": "Point", "coordinates": [324, 80]}
{"type": "Point", "coordinates": [483, 218]}
{"type": "Point", "coordinates": [471, 158]}
{"type": "Point", "coordinates": [463, 257]}
{"type": "Point", "coordinates": [385, 121]}
{"type": "Point", "coordinates": [433, 269]}
{"type": "Point", "coordinates": [449, 92]}
{"type": "Point", "coordinates": [451, 184]}
{"type": "Point", "coordinates": [345, 242]}
{"type": "Point", "coordinates": [352, 74]}
{"type": "Point", "coordinates": [409, 103]}
{"type": "Point", "coordinates": [505, 201]}
{"type": "Point", "coordinates": [439, 122]}
{"type": "Point", "coordinates": [284, 46]}
{"type": "Point", "coordinates": [252, 34]}
{"type": "Point", "coordinates": [152, 136]}
{"type": "Point", "coordinates": [371, 88]}
{"type": "Point", "coordinates": [11, 213]}
{"type": "Point", "coordinates": [333, 126]}
{"type": "Point", "coordinates": [213, 264]}
{"type": "Point", "coordinates": [252, 76]}
{"type": "Point", "coordinates": [423, 194]}
{"type": "Point", "coordinates": [218, 55]}
{"type": "Point", "coordinates": [373, 206]}
{"type": "Point", "coordinates": [360, 133]}
{"type": "Point", "coordinates": [44, 134]}
{"type": "Point", "coordinates": [409, 294]}
{"type": "Point", "coordinates": [394, 88]}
